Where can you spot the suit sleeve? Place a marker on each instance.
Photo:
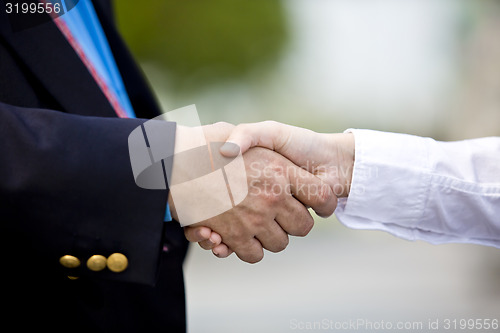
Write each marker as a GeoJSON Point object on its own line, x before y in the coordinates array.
{"type": "Point", "coordinates": [66, 188]}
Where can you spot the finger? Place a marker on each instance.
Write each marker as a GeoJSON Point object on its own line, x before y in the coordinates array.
{"type": "Point", "coordinates": [214, 240]}
{"type": "Point", "coordinates": [267, 134]}
{"type": "Point", "coordinates": [274, 239]}
{"type": "Point", "coordinates": [250, 251]}
{"type": "Point", "coordinates": [311, 191]}
{"type": "Point", "coordinates": [294, 218]}
{"type": "Point", "coordinates": [206, 244]}
{"type": "Point", "coordinates": [197, 234]}
{"type": "Point", "coordinates": [222, 251]}
{"type": "Point", "coordinates": [240, 139]}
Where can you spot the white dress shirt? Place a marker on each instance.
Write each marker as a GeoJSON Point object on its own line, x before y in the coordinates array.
{"type": "Point", "coordinates": [421, 189]}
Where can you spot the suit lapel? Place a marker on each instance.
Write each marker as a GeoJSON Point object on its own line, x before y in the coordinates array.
{"type": "Point", "coordinates": [49, 56]}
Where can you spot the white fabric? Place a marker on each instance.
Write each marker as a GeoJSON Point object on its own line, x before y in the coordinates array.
{"type": "Point", "coordinates": [419, 188]}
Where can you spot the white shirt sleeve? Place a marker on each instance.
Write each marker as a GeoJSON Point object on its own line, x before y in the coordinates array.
{"type": "Point", "coordinates": [419, 188]}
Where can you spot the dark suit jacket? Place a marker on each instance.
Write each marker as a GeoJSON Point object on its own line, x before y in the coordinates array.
{"type": "Point", "coordinates": [66, 188]}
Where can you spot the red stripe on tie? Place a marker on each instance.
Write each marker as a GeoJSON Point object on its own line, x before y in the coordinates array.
{"type": "Point", "coordinates": [61, 25]}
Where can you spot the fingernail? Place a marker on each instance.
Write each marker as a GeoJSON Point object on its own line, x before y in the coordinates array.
{"type": "Point", "coordinates": [230, 149]}
{"type": "Point", "coordinates": [215, 253]}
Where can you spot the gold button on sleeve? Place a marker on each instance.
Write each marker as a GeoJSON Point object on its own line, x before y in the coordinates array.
{"type": "Point", "coordinates": [69, 261]}
{"type": "Point", "coordinates": [96, 263]}
{"type": "Point", "coordinates": [117, 262]}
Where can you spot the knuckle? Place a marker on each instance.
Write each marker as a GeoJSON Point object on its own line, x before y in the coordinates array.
{"type": "Point", "coordinates": [255, 259]}
{"type": "Point", "coordinates": [325, 193]}
{"type": "Point", "coordinates": [241, 128]}
{"type": "Point", "coordinates": [252, 257]}
{"type": "Point", "coordinates": [305, 227]}
{"type": "Point", "coordinates": [240, 230]}
{"type": "Point", "coordinates": [281, 246]}
{"type": "Point", "coordinates": [224, 124]}
{"type": "Point", "coordinates": [258, 222]}
{"type": "Point", "coordinates": [270, 122]}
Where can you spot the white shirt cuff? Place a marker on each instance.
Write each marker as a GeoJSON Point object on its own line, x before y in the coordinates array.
{"type": "Point", "coordinates": [418, 188]}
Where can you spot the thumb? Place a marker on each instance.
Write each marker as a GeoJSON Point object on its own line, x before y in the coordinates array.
{"type": "Point", "coordinates": [245, 136]}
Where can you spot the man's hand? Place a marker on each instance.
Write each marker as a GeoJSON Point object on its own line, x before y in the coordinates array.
{"type": "Point", "coordinates": [273, 208]}
{"type": "Point", "coordinates": [328, 156]}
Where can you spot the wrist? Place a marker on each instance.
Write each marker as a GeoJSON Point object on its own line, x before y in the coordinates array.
{"type": "Point", "coordinates": [348, 160]}
{"type": "Point", "coordinates": [343, 149]}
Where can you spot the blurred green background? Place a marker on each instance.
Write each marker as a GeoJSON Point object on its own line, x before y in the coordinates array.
{"type": "Point", "coordinates": [425, 67]}
{"type": "Point", "coordinates": [201, 43]}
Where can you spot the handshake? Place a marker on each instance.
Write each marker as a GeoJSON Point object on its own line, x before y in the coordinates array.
{"type": "Point", "coordinates": [288, 170]}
